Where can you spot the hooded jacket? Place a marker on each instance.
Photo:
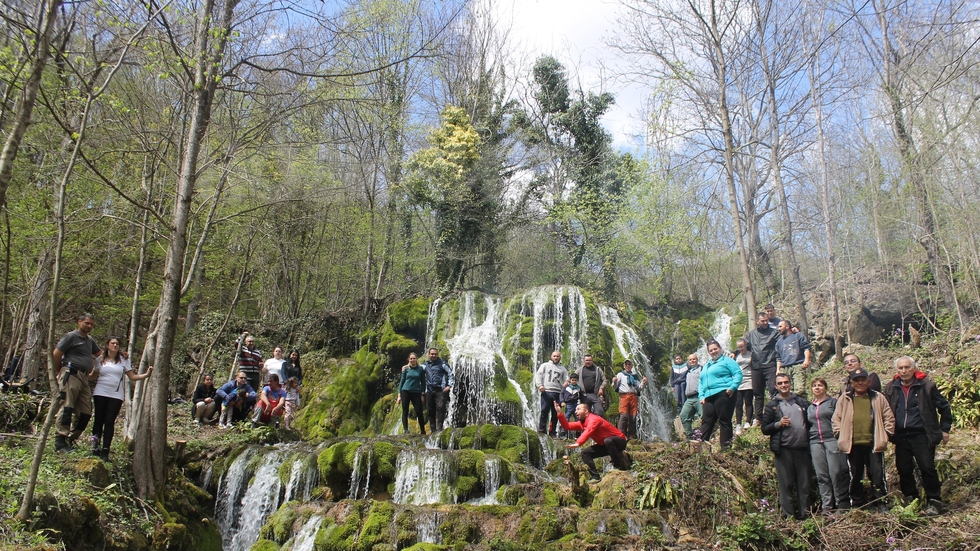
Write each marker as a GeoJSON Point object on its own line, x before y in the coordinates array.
{"type": "Point", "coordinates": [771, 415]}
{"type": "Point", "coordinates": [882, 426]}
{"type": "Point", "coordinates": [925, 409]}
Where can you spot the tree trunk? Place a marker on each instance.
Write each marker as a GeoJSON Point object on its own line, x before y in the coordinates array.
{"type": "Point", "coordinates": [777, 175]}
{"type": "Point", "coordinates": [828, 221]}
{"type": "Point", "coordinates": [34, 351]}
{"type": "Point", "coordinates": [149, 458]}
{"type": "Point", "coordinates": [46, 13]}
{"type": "Point", "coordinates": [726, 128]}
{"type": "Point", "coordinates": [911, 159]}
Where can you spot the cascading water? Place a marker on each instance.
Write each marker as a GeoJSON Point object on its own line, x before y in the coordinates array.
{"type": "Point", "coordinates": [260, 500]}
{"type": "Point", "coordinates": [721, 331]}
{"type": "Point", "coordinates": [492, 474]}
{"type": "Point", "coordinates": [427, 528]}
{"type": "Point", "coordinates": [361, 472]}
{"type": "Point", "coordinates": [424, 477]}
{"type": "Point", "coordinates": [303, 477]}
{"type": "Point", "coordinates": [231, 490]}
{"type": "Point", "coordinates": [306, 537]}
{"type": "Point", "coordinates": [654, 420]}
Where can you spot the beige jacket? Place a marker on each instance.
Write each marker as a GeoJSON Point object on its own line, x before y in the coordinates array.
{"type": "Point", "coordinates": [881, 412]}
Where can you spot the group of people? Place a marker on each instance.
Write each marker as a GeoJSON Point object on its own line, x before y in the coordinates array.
{"type": "Point", "coordinates": [840, 439]}
{"type": "Point", "coordinates": [428, 382]}
{"type": "Point", "coordinates": [90, 380]}
{"type": "Point", "coordinates": [276, 402]}
{"type": "Point", "coordinates": [845, 438]}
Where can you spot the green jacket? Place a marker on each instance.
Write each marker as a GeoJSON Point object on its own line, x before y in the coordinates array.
{"type": "Point", "coordinates": [412, 379]}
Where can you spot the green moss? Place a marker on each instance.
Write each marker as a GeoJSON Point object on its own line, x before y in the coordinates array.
{"type": "Point", "coordinates": [343, 403]}
{"type": "Point", "coordinates": [264, 545]}
{"type": "Point", "coordinates": [426, 547]}
{"type": "Point", "coordinates": [385, 457]}
{"type": "Point", "coordinates": [339, 537]}
{"type": "Point", "coordinates": [470, 462]}
{"type": "Point", "coordinates": [550, 498]}
{"type": "Point", "coordinates": [739, 326]}
{"type": "Point", "coordinates": [466, 487]}
{"type": "Point", "coordinates": [490, 436]}
{"type": "Point", "coordinates": [538, 527]}
{"type": "Point", "coordinates": [409, 316]}
{"type": "Point", "coordinates": [376, 525]}
{"type": "Point", "coordinates": [459, 529]}
{"type": "Point", "coordinates": [279, 527]}
{"type": "Point", "coordinates": [690, 333]}
{"type": "Point", "coordinates": [336, 464]}
{"type": "Point", "coordinates": [285, 470]}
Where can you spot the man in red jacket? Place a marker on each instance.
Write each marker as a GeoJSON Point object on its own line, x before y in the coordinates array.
{"type": "Point", "coordinates": [609, 441]}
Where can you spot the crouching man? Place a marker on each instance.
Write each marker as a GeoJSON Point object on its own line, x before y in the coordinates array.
{"type": "Point", "coordinates": [608, 440]}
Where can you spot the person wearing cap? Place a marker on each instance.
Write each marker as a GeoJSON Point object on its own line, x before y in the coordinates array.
{"type": "Point", "coordinates": [863, 423]}
{"type": "Point", "coordinates": [923, 419]}
{"type": "Point", "coordinates": [628, 385]}
{"type": "Point", "coordinates": [852, 362]}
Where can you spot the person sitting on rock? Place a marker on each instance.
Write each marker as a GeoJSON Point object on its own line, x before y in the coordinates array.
{"type": "Point", "coordinates": [237, 398]}
{"type": "Point", "coordinates": [203, 403]}
{"type": "Point", "coordinates": [609, 441]}
{"type": "Point", "coordinates": [271, 404]}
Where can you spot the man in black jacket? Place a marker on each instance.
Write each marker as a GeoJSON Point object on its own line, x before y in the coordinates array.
{"type": "Point", "coordinates": [762, 344]}
{"type": "Point", "coordinates": [923, 419]}
{"type": "Point", "coordinates": [785, 421]}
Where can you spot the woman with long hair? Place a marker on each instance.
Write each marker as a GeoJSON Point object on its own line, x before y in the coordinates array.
{"type": "Point", "coordinates": [109, 393]}
{"type": "Point", "coordinates": [291, 368]}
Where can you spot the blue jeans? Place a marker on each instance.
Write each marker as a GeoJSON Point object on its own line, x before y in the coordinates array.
{"type": "Point", "coordinates": [548, 401]}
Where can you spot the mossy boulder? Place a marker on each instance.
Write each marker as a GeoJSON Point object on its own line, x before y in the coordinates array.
{"type": "Point", "coordinates": [93, 470]}
{"type": "Point", "coordinates": [336, 464]}
{"type": "Point", "coordinates": [344, 400]}
{"type": "Point", "coordinates": [264, 545]}
{"type": "Point", "coordinates": [170, 536]}
{"type": "Point", "coordinates": [375, 530]}
{"type": "Point", "coordinates": [279, 526]}
{"type": "Point", "coordinates": [340, 537]}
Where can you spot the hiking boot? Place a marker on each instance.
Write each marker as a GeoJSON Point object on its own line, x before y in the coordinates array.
{"type": "Point", "coordinates": [932, 508]}
{"type": "Point", "coordinates": [61, 444]}
{"type": "Point", "coordinates": [104, 454]}
{"type": "Point", "coordinates": [95, 445]}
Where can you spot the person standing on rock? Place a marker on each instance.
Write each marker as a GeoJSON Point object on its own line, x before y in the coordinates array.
{"type": "Point", "coordinates": [863, 423]}
{"type": "Point", "coordinates": [549, 380]}
{"type": "Point", "coordinates": [692, 405]}
{"type": "Point", "coordinates": [719, 382]}
{"type": "Point", "coordinates": [410, 386]}
{"type": "Point", "coordinates": [852, 362]}
{"type": "Point", "coordinates": [273, 365]}
{"type": "Point", "coordinates": [770, 311]}
{"type": "Point", "coordinates": [628, 385]}
{"type": "Point", "coordinates": [923, 419]}
{"type": "Point", "coordinates": [609, 441]}
{"type": "Point", "coordinates": [249, 359]}
{"type": "Point", "coordinates": [291, 367]}
{"type": "Point", "coordinates": [678, 380]}
{"type": "Point", "coordinates": [793, 356]}
{"type": "Point", "coordinates": [593, 382]}
{"type": "Point", "coordinates": [77, 350]}
{"type": "Point", "coordinates": [785, 421]}
{"type": "Point", "coordinates": [762, 344]}
{"type": "Point", "coordinates": [109, 393]}
{"type": "Point", "coordinates": [438, 383]}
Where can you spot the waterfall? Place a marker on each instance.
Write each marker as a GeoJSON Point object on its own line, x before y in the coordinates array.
{"type": "Point", "coordinates": [424, 477]}
{"type": "Point", "coordinates": [427, 528]}
{"type": "Point", "coordinates": [655, 418]}
{"type": "Point", "coordinates": [306, 537]}
{"type": "Point", "coordinates": [721, 331]}
{"type": "Point", "coordinates": [361, 471]}
{"type": "Point", "coordinates": [260, 500]}
{"type": "Point", "coordinates": [303, 476]}
{"type": "Point", "coordinates": [231, 489]}
{"type": "Point", "coordinates": [576, 342]}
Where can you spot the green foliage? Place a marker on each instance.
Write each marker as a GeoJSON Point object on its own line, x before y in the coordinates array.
{"type": "Point", "coordinates": [755, 532]}
{"type": "Point", "coordinates": [962, 388]}
{"type": "Point", "coordinates": [279, 526]}
{"type": "Point", "coordinates": [342, 405]}
{"type": "Point", "coordinates": [658, 493]}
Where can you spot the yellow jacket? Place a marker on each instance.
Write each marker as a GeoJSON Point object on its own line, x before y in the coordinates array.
{"type": "Point", "coordinates": [881, 413]}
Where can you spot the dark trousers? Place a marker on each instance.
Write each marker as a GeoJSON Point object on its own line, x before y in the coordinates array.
{"type": "Point", "coordinates": [793, 473]}
{"type": "Point", "coordinates": [718, 408]}
{"type": "Point", "coordinates": [680, 394]}
{"type": "Point", "coordinates": [415, 400]}
{"type": "Point", "coordinates": [613, 447]}
{"type": "Point", "coordinates": [864, 458]}
{"type": "Point", "coordinates": [435, 404]}
{"type": "Point", "coordinates": [914, 450]}
{"type": "Point", "coordinates": [743, 401]}
{"type": "Point", "coordinates": [548, 400]}
{"type": "Point", "coordinates": [763, 378]}
{"type": "Point", "coordinates": [106, 411]}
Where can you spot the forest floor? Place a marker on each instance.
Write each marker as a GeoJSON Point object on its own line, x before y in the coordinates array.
{"type": "Point", "coordinates": [706, 499]}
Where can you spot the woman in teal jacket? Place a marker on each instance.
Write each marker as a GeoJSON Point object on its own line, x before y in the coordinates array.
{"type": "Point", "coordinates": [410, 387]}
{"type": "Point", "coordinates": [717, 387]}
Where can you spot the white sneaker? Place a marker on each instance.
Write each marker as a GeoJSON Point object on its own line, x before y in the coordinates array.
{"type": "Point", "coordinates": [747, 426]}
{"type": "Point", "coordinates": [738, 431]}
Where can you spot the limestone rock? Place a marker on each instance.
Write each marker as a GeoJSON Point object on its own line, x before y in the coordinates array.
{"type": "Point", "coordinates": [93, 470]}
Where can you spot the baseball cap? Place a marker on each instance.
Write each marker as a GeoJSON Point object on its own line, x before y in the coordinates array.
{"type": "Point", "coordinates": [859, 372]}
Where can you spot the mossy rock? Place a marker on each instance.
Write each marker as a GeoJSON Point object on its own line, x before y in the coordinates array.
{"type": "Point", "coordinates": [539, 526]}
{"type": "Point", "coordinates": [410, 316]}
{"type": "Point", "coordinates": [385, 459]}
{"type": "Point", "coordinates": [339, 537]}
{"type": "Point", "coordinates": [459, 529]}
{"type": "Point", "coordinates": [690, 334]}
{"type": "Point", "coordinates": [279, 527]}
{"type": "Point", "coordinates": [344, 402]}
{"type": "Point", "coordinates": [264, 545]}
{"type": "Point", "coordinates": [336, 464]}
{"type": "Point", "coordinates": [93, 470]}
{"type": "Point", "coordinates": [470, 462]}
{"type": "Point", "coordinates": [171, 536]}
{"type": "Point", "coordinates": [739, 326]}
{"type": "Point", "coordinates": [376, 528]}
{"type": "Point", "coordinates": [426, 547]}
